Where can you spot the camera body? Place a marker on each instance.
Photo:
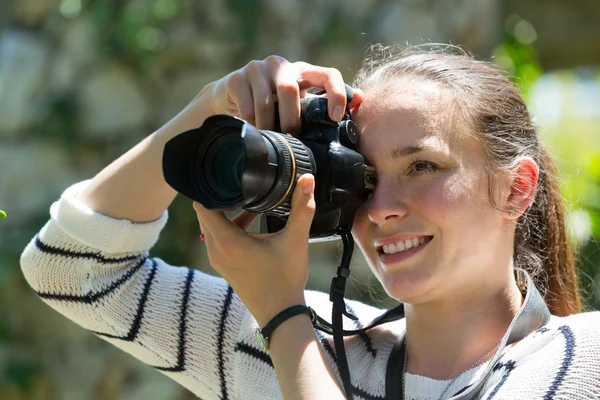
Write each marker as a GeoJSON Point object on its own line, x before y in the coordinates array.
{"type": "Point", "coordinates": [342, 179]}
{"type": "Point", "coordinates": [229, 163]}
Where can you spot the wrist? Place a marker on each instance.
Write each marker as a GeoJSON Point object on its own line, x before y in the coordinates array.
{"type": "Point", "coordinates": [191, 117]}
{"type": "Point", "coordinates": [293, 326]}
{"type": "Point", "coordinates": [262, 318]}
{"type": "Point", "coordinates": [264, 335]}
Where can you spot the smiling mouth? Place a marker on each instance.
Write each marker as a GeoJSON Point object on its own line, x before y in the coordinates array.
{"type": "Point", "coordinates": [403, 245]}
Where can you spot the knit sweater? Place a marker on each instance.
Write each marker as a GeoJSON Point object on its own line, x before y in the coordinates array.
{"type": "Point", "coordinates": [192, 327]}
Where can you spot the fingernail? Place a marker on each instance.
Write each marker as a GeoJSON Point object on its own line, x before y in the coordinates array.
{"type": "Point", "coordinates": [338, 113]}
{"type": "Point", "coordinates": [307, 186]}
{"type": "Point", "coordinates": [202, 237]}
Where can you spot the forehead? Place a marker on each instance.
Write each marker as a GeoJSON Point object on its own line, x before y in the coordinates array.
{"type": "Point", "coordinates": [394, 120]}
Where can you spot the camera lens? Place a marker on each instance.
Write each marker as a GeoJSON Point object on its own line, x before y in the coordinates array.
{"type": "Point", "coordinates": [223, 165]}
{"type": "Point", "coordinates": [227, 162]}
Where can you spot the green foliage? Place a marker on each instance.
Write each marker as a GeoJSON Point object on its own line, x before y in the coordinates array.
{"type": "Point", "coordinates": [248, 13]}
{"type": "Point", "coordinates": [2, 214]}
{"type": "Point", "coordinates": [519, 59]}
{"type": "Point", "coordinates": [132, 31]}
{"type": "Point", "coordinates": [573, 142]}
{"type": "Point", "coordinates": [59, 122]}
{"type": "Point", "coordinates": [22, 374]}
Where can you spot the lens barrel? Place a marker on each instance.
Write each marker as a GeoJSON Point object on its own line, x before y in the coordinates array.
{"type": "Point", "coordinates": [294, 160]}
{"type": "Point", "coordinates": [228, 162]}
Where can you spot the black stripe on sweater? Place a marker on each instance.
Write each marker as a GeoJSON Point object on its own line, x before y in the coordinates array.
{"type": "Point", "coordinates": [254, 352]}
{"type": "Point", "coordinates": [220, 340]}
{"type": "Point", "coordinates": [508, 366]}
{"type": "Point", "coordinates": [331, 351]}
{"type": "Point", "coordinates": [46, 248]}
{"type": "Point", "coordinates": [264, 357]}
{"type": "Point", "coordinates": [93, 297]}
{"type": "Point", "coordinates": [135, 327]}
{"type": "Point", "coordinates": [363, 335]}
{"type": "Point", "coordinates": [327, 347]}
{"type": "Point", "coordinates": [567, 360]}
{"type": "Point", "coordinates": [182, 327]}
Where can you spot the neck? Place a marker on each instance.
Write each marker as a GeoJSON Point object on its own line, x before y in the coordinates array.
{"type": "Point", "coordinates": [445, 337]}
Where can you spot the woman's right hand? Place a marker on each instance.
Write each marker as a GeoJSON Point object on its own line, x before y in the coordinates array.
{"type": "Point", "coordinates": [249, 92]}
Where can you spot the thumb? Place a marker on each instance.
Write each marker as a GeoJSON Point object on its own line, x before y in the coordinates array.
{"type": "Point", "coordinates": [303, 207]}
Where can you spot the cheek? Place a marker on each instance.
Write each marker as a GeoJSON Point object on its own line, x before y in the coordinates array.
{"type": "Point", "coordinates": [453, 203]}
{"type": "Point", "coordinates": [461, 209]}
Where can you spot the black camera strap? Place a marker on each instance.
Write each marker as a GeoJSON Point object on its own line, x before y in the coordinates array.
{"type": "Point", "coordinates": [533, 314]}
{"type": "Point", "coordinates": [336, 296]}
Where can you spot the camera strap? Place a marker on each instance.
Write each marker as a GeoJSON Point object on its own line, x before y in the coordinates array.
{"type": "Point", "coordinates": [336, 296]}
{"type": "Point", "coordinates": [533, 314]}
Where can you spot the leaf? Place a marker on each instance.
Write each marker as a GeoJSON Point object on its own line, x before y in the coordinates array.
{"type": "Point", "coordinates": [2, 214]}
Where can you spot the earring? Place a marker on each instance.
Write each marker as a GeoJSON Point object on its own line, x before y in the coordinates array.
{"type": "Point", "coordinates": [512, 212]}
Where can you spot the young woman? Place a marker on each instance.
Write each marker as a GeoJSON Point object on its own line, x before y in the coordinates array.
{"type": "Point", "coordinates": [465, 194]}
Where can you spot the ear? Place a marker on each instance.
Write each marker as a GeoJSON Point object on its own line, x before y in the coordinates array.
{"type": "Point", "coordinates": [523, 183]}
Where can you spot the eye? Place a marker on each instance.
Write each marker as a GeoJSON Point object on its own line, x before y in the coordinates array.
{"type": "Point", "coordinates": [423, 167]}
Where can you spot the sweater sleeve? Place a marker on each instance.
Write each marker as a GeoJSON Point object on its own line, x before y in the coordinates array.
{"type": "Point", "coordinates": [96, 271]}
{"type": "Point", "coordinates": [559, 361]}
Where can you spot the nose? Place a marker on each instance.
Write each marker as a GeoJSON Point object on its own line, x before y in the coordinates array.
{"type": "Point", "coordinates": [386, 204]}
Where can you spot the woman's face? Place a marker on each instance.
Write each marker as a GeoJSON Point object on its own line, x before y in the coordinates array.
{"type": "Point", "coordinates": [431, 196]}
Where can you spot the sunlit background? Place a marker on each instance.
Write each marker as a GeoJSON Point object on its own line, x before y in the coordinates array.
{"type": "Point", "coordinates": [82, 81]}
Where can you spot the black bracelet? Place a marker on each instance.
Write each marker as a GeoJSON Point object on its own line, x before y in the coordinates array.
{"type": "Point", "coordinates": [263, 335]}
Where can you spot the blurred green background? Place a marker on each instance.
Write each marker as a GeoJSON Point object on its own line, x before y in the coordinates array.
{"type": "Point", "coordinates": [82, 81]}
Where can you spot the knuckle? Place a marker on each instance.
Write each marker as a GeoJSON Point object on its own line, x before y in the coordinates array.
{"type": "Point", "coordinates": [276, 60]}
{"type": "Point", "coordinates": [254, 66]}
{"type": "Point", "coordinates": [334, 73]}
{"type": "Point", "coordinates": [236, 79]}
{"type": "Point", "coordinates": [288, 88]}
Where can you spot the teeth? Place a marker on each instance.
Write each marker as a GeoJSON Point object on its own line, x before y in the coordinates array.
{"type": "Point", "coordinates": [403, 245]}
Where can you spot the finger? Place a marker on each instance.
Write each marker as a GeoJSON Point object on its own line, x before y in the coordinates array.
{"type": "Point", "coordinates": [329, 79]}
{"type": "Point", "coordinates": [303, 208]}
{"type": "Point", "coordinates": [288, 93]}
{"type": "Point", "coordinates": [244, 219]}
{"type": "Point", "coordinates": [239, 90]}
{"type": "Point", "coordinates": [262, 94]}
{"type": "Point", "coordinates": [215, 222]}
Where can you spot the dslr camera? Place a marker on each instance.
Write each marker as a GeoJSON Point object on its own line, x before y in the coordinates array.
{"type": "Point", "coordinates": [229, 163]}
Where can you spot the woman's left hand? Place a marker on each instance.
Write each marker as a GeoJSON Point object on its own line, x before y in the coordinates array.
{"type": "Point", "coordinates": [267, 271]}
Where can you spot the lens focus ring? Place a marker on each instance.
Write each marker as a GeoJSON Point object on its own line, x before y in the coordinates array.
{"type": "Point", "coordinates": [303, 166]}
{"type": "Point", "coordinates": [295, 160]}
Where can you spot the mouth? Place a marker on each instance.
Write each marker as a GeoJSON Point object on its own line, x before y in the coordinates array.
{"type": "Point", "coordinates": [403, 245]}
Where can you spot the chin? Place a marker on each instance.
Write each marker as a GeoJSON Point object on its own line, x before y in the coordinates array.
{"type": "Point", "coordinates": [407, 286]}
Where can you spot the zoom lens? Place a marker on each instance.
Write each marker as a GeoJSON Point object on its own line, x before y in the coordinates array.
{"type": "Point", "coordinates": [223, 165]}
{"type": "Point", "coordinates": [227, 162]}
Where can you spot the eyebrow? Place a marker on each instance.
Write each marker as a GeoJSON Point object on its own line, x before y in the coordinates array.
{"type": "Point", "coordinates": [403, 151]}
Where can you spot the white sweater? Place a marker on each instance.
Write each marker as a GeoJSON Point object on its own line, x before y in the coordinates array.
{"type": "Point", "coordinates": [192, 327]}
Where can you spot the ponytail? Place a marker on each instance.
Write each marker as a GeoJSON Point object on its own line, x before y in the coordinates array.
{"type": "Point", "coordinates": [542, 246]}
